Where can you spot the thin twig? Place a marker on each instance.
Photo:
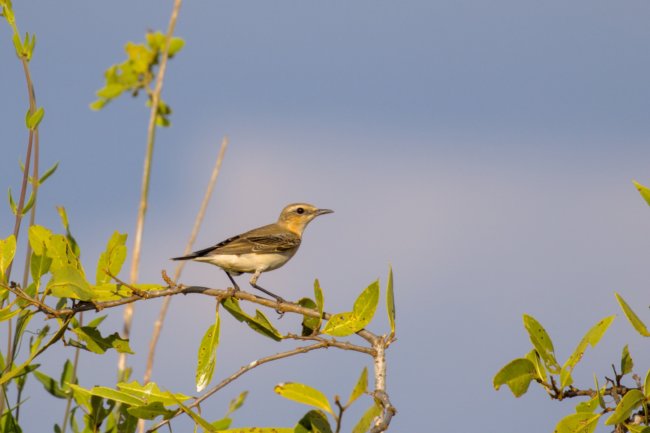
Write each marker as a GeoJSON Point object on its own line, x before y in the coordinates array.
{"type": "Point", "coordinates": [146, 174]}
{"type": "Point", "coordinates": [157, 327]}
{"type": "Point", "coordinates": [244, 369]}
{"type": "Point", "coordinates": [73, 379]}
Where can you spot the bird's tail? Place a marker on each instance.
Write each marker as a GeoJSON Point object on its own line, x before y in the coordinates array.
{"type": "Point", "coordinates": [187, 257]}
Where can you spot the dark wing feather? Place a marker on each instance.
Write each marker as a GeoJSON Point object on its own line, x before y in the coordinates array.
{"type": "Point", "coordinates": [264, 240]}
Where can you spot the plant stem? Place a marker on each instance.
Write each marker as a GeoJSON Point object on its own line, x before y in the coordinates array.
{"type": "Point", "coordinates": [179, 269]}
{"type": "Point", "coordinates": [146, 176]}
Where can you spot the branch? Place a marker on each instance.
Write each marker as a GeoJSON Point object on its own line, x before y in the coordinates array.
{"type": "Point", "coordinates": [157, 327]}
{"type": "Point", "coordinates": [244, 369]}
{"type": "Point", "coordinates": [146, 174]}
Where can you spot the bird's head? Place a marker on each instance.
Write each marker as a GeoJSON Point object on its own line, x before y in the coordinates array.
{"type": "Point", "coordinates": [296, 216]}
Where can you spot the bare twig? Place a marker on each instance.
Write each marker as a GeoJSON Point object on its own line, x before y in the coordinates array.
{"type": "Point", "coordinates": [75, 364]}
{"type": "Point", "coordinates": [244, 369]}
{"type": "Point", "coordinates": [146, 174]}
{"type": "Point", "coordinates": [157, 327]}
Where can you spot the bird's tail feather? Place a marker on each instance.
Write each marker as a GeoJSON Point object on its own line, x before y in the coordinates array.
{"type": "Point", "coordinates": [188, 257]}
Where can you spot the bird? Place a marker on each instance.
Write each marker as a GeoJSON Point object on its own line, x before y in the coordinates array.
{"type": "Point", "coordinates": [262, 249]}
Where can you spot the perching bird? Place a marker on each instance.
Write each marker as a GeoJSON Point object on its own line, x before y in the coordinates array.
{"type": "Point", "coordinates": [262, 249]}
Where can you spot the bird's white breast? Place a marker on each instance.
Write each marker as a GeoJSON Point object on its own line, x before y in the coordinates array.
{"type": "Point", "coordinates": [249, 262]}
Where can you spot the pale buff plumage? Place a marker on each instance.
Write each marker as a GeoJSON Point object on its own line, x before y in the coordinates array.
{"type": "Point", "coordinates": [262, 249]}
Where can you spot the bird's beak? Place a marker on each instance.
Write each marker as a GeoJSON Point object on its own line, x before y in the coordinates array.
{"type": "Point", "coordinates": [323, 211]}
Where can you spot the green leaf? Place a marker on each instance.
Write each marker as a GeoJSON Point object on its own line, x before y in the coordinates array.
{"type": "Point", "coordinates": [314, 421]}
{"type": "Point", "coordinates": [517, 374]}
{"type": "Point", "coordinates": [112, 259]}
{"type": "Point", "coordinates": [646, 385]}
{"type": "Point", "coordinates": [542, 343]}
{"type": "Point", "coordinates": [69, 282]}
{"type": "Point", "coordinates": [630, 401]}
{"type": "Point", "coordinates": [581, 422]}
{"type": "Point", "coordinates": [197, 418]}
{"type": "Point", "coordinates": [237, 402]}
{"type": "Point", "coordinates": [12, 203]}
{"type": "Point", "coordinates": [221, 424]}
{"type": "Point", "coordinates": [39, 266]}
{"type": "Point", "coordinates": [390, 302]}
{"type": "Point", "coordinates": [599, 394]}
{"type": "Point", "coordinates": [39, 237]}
{"type": "Point", "coordinates": [49, 172]}
{"type": "Point", "coordinates": [341, 325]}
{"type": "Point", "coordinates": [587, 406]}
{"type": "Point", "coordinates": [29, 204]}
{"type": "Point", "coordinates": [115, 395]}
{"type": "Point", "coordinates": [592, 337]}
{"type": "Point", "coordinates": [7, 253]}
{"type": "Point", "coordinates": [644, 191]}
{"type": "Point", "coordinates": [304, 394]}
{"type": "Point", "coordinates": [34, 119]}
{"type": "Point", "coordinates": [7, 313]}
{"type": "Point", "coordinates": [50, 385]}
{"type": "Point", "coordinates": [207, 356]}
{"type": "Point", "coordinates": [632, 317]}
{"type": "Point", "coordinates": [626, 361]}
{"type": "Point", "coordinates": [151, 411]}
{"type": "Point", "coordinates": [360, 388]}
{"type": "Point", "coordinates": [259, 323]}
{"type": "Point", "coordinates": [637, 428]}
{"type": "Point", "coordinates": [96, 343]}
{"type": "Point", "coordinates": [310, 325]}
{"type": "Point", "coordinates": [363, 425]}
{"type": "Point", "coordinates": [150, 393]}
{"type": "Point", "coordinates": [533, 357]}
{"type": "Point", "coordinates": [366, 304]}
{"type": "Point", "coordinates": [258, 430]}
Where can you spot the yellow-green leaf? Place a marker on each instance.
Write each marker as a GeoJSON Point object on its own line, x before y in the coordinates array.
{"type": "Point", "coordinates": [33, 119]}
{"type": "Point", "coordinates": [366, 304]}
{"type": "Point", "coordinates": [112, 259]}
{"type": "Point", "coordinates": [592, 337]}
{"type": "Point", "coordinates": [533, 357]}
{"type": "Point", "coordinates": [390, 302]}
{"type": "Point", "coordinates": [581, 422]}
{"type": "Point", "coordinates": [517, 374]}
{"type": "Point", "coordinates": [150, 393]}
{"type": "Point", "coordinates": [542, 343]}
{"type": "Point", "coordinates": [644, 191]}
{"type": "Point", "coordinates": [197, 418]}
{"type": "Point", "coordinates": [115, 395]}
{"type": "Point", "coordinates": [363, 425]}
{"type": "Point", "coordinates": [626, 361]}
{"type": "Point", "coordinates": [360, 388]}
{"type": "Point", "coordinates": [7, 252]}
{"type": "Point", "coordinates": [342, 325]}
{"type": "Point", "coordinates": [151, 411]}
{"type": "Point", "coordinates": [318, 297]}
{"type": "Point", "coordinates": [258, 430]}
{"type": "Point", "coordinates": [630, 401]}
{"type": "Point", "coordinates": [304, 394]}
{"type": "Point", "coordinates": [68, 282]}
{"type": "Point", "coordinates": [646, 385]}
{"type": "Point", "coordinates": [632, 317]}
{"type": "Point", "coordinates": [207, 356]}
{"type": "Point", "coordinates": [259, 323]}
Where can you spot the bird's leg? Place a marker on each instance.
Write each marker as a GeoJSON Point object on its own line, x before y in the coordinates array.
{"type": "Point", "coordinates": [232, 280]}
{"type": "Point", "coordinates": [253, 282]}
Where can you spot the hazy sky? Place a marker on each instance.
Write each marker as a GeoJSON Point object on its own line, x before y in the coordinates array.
{"type": "Point", "coordinates": [484, 149]}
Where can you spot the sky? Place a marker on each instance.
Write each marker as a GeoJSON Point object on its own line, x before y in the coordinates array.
{"type": "Point", "coordinates": [484, 150]}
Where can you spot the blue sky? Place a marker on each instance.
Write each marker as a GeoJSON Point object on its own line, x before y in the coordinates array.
{"type": "Point", "coordinates": [484, 149]}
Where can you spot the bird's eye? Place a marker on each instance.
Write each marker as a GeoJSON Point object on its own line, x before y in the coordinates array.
{"type": "Point", "coordinates": [300, 211]}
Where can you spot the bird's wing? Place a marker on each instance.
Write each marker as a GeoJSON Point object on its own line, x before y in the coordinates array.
{"type": "Point", "coordinates": [264, 240]}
